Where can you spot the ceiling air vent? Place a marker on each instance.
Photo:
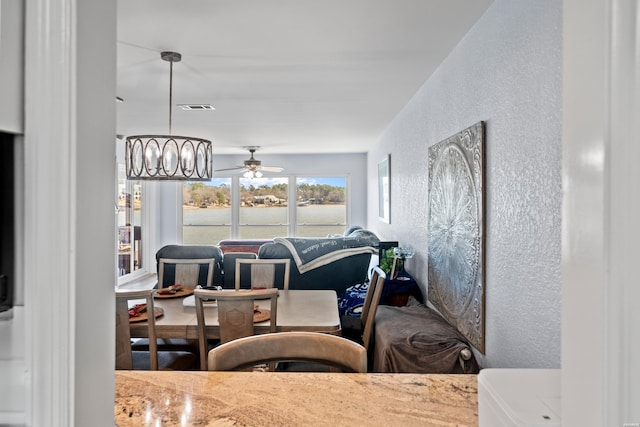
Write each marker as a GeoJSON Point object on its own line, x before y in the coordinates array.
{"type": "Point", "coordinates": [189, 107]}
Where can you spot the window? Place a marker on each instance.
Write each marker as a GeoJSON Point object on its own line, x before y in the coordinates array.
{"type": "Point", "coordinates": [321, 206]}
{"type": "Point", "coordinates": [206, 211]}
{"type": "Point", "coordinates": [264, 210]}
{"type": "Point", "coordinates": [129, 224]}
{"type": "Point", "coordinates": [260, 208]}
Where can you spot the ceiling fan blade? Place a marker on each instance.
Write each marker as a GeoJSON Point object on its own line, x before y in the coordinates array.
{"type": "Point", "coordinates": [270, 168]}
{"type": "Point", "coordinates": [230, 169]}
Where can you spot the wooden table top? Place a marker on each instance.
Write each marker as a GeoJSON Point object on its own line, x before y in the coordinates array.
{"type": "Point", "coordinates": [298, 310]}
{"type": "Point", "coordinates": [293, 399]}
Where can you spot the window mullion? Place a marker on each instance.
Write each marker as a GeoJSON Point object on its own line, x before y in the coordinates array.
{"type": "Point", "coordinates": [293, 198]}
{"type": "Point", "coordinates": [235, 207]}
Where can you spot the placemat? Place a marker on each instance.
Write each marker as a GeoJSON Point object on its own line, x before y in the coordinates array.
{"type": "Point", "coordinates": [184, 292]}
{"type": "Point", "coordinates": [143, 316]}
{"type": "Point", "coordinates": [260, 315]}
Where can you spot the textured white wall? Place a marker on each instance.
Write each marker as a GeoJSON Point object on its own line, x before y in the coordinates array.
{"type": "Point", "coordinates": [507, 72]}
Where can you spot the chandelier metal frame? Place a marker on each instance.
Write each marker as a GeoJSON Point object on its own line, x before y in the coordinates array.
{"type": "Point", "coordinates": [168, 157]}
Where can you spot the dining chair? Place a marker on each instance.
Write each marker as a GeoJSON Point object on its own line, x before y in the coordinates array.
{"type": "Point", "coordinates": [189, 272]}
{"type": "Point", "coordinates": [229, 267]}
{"type": "Point", "coordinates": [152, 359]}
{"type": "Point", "coordinates": [332, 350]}
{"type": "Point", "coordinates": [263, 273]}
{"type": "Point", "coordinates": [235, 314]}
{"type": "Point", "coordinates": [186, 273]}
{"type": "Point", "coordinates": [370, 305]}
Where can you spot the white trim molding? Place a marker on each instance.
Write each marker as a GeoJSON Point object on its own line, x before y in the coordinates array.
{"type": "Point", "coordinates": [49, 177]}
{"type": "Point", "coordinates": [601, 91]}
{"type": "Point", "coordinates": [69, 223]}
{"type": "Point", "coordinates": [622, 374]}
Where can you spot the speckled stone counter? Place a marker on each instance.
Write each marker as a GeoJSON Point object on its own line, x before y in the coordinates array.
{"type": "Point", "coordinates": [293, 399]}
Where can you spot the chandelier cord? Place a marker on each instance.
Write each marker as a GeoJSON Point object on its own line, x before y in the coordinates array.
{"type": "Point", "coordinates": [170, 93]}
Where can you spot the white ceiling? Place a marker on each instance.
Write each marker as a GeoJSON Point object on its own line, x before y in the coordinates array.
{"type": "Point", "coordinates": [290, 76]}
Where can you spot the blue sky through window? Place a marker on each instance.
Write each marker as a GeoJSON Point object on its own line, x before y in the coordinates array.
{"type": "Point", "coordinates": [269, 181]}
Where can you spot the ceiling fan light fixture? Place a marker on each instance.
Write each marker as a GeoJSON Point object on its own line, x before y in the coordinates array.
{"type": "Point", "coordinates": [168, 157]}
{"type": "Point", "coordinates": [251, 174]}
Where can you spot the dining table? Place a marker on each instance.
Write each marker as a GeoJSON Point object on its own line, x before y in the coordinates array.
{"type": "Point", "coordinates": [298, 310]}
{"type": "Point", "coordinates": [201, 398]}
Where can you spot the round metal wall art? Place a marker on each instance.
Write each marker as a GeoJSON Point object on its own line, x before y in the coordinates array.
{"type": "Point", "coordinates": [456, 247]}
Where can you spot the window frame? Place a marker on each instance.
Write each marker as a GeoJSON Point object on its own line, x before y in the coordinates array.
{"type": "Point", "coordinates": [292, 192]}
{"type": "Point", "coordinates": [147, 223]}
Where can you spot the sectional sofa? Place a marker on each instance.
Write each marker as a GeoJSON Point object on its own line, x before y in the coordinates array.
{"type": "Point", "coordinates": [321, 263]}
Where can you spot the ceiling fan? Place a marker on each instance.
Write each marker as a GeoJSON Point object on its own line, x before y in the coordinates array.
{"type": "Point", "coordinates": [253, 168]}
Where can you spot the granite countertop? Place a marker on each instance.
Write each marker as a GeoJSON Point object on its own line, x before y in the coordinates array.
{"type": "Point", "coordinates": [171, 398]}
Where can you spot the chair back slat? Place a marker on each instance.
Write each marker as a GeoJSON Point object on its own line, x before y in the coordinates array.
{"type": "Point", "coordinates": [186, 272]}
{"type": "Point", "coordinates": [263, 275]}
{"type": "Point", "coordinates": [235, 318]}
{"type": "Point", "coordinates": [262, 272]}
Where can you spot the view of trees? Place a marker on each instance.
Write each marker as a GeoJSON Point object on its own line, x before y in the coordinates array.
{"type": "Point", "coordinates": [321, 194]}
{"type": "Point", "coordinates": [202, 195]}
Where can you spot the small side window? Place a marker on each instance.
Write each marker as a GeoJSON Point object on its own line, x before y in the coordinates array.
{"type": "Point", "coordinates": [129, 224]}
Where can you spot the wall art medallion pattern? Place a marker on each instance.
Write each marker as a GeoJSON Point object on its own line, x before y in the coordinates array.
{"type": "Point", "coordinates": [456, 231]}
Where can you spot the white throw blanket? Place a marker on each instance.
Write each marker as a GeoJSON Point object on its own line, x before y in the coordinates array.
{"type": "Point", "coordinates": [313, 253]}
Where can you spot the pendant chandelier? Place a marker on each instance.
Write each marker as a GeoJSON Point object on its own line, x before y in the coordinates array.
{"type": "Point", "coordinates": [168, 157]}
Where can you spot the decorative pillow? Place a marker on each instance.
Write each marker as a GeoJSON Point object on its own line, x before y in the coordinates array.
{"type": "Point", "coordinates": [352, 299]}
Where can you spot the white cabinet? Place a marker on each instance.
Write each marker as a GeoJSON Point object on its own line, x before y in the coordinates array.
{"type": "Point", "coordinates": [519, 398]}
{"type": "Point", "coordinates": [12, 66]}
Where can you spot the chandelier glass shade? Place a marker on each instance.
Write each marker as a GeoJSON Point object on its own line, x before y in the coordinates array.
{"type": "Point", "coordinates": [168, 157]}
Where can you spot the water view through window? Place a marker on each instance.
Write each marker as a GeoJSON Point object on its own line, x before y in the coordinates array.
{"type": "Point", "coordinates": [264, 210]}
{"type": "Point", "coordinates": [206, 211]}
{"type": "Point", "coordinates": [321, 207]}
